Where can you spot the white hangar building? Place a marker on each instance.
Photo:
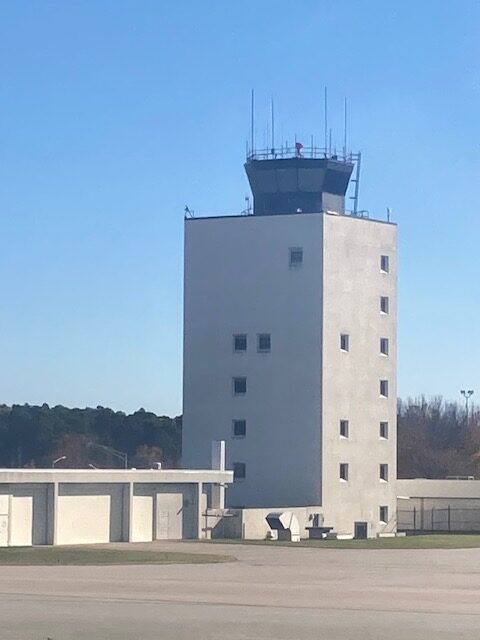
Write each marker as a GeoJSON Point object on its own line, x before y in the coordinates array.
{"type": "Point", "coordinates": [47, 506]}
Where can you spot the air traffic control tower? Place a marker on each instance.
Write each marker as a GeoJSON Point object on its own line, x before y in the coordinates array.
{"type": "Point", "coordinates": [287, 181]}
{"type": "Point", "coordinates": [290, 343]}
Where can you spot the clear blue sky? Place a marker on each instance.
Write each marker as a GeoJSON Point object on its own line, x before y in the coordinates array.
{"type": "Point", "coordinates": [114, 114]}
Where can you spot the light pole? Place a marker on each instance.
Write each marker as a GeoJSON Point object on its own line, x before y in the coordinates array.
{"type": "Point", "coordinates": [467, 394]}
{"type": "Point", "coordinates": [118, 454]}
{"type": "Point", "coordinates": [58, 460]}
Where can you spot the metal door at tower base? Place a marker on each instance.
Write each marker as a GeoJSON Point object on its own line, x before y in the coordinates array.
{"type": "Point", "coordinates": [361, 530]}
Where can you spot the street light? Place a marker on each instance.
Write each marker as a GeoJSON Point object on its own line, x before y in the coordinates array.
{"type": "Point", "coordinates": [118, 454]}
{"type": "Point", "coordinates": [466, 393]}
{"type": "Point", "coordinates": [58, 460]}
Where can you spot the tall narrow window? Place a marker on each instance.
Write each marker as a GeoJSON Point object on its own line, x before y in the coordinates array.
{"type": "Point", "coordinates": [239, 386]}
{"type": "Point", "coordinates": [239, 471]}
{"type": "Point", "coordinates": [344, 342]}
{"type": "Point", "coordinates": [384, 430]}
{"type": "Point", "coordinates": [344, 428]}
{"type": "Point", "coordinates": [383, 514]}
{"type": "Point", "coordinates": [384, 388]}
{"type": "Point", "coordinates": [384, 264]}
{"type": "Point", "coordinates": [384, 304]}
{"type": "Point", "coordinates": [295, 256]}
{"type": "Point", "coordinates": [384, 346]}
{"type": "Point", "coordinates": [384, 472]}
{"type": "Point", "coordinates": [240, 342]}
{"type": "Point", "coordinates": [264, 342]}
{"type": "Point", "coordinates": [239, 428]}
{"type": "Point", "coordinates": [343, 471]}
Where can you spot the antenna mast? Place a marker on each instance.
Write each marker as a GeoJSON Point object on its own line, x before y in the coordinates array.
{"type": "Point", "coordinates": [326, 119]}
{"type": "Point", "coordinates": [273, 129]}
{"type": "Point", "coordinates": [253, 121]}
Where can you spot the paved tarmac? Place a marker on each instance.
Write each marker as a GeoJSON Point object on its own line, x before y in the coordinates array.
{"type": "Point", "coordinates": [273, 593]}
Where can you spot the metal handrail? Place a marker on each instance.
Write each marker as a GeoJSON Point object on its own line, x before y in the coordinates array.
{"type": "Point", "coordinates": [303, 152]}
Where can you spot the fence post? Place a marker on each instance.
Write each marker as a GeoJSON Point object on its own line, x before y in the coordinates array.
{"type": "Point", "coordinates": [415, 519]}
{"type": "Point", "coordinates": [449, 521]}
{"type": "Point", "coordinates": [433, 521]}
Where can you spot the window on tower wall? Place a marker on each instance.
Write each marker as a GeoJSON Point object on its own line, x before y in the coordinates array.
{"type": "Point", "coordinates": [384, 346]}
{"type": "Point", "coordinates": [239, 428]}
{"type": "Point", "coordinates": [384, 388]}
{"type": "Point", "coordinates": [383, 514]}
{"type": "Point", "coordinates": [344, 428]}
{"type": "Point", "coordinates": [239, 386]}
{"type": "Point", "coordinates": [384, 472]}
{"type": "Point", "coordinates": [239, 471]}
{"type": "Point", "coordinates": [384, 264]}
{"type": "Point", "coordinates": [384, 430]}
{"type": "Point", "coordinates": [344, 342]}
{"type": "Point", "coordinates": [264, 342]}
{"type": "Point", "coordinates": [295, 256]}
{"type": "Point", "coordinates": [240, 342]}
{"type": "Point", "coordinates": [384, 304]}
{"type": "Point", "coordinates": [343, 471]}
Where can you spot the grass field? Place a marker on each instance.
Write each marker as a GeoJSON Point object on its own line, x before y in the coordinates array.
{"type": "Point", "coordinates": [436, 541]}
{"type": "Point", "coordinates": [28, 556]}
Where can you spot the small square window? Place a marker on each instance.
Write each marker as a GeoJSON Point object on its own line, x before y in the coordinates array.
{"type": "Point", "coordinates": [344, 342]}
{"type": "Point", "coordinates": [344, 428]}
{"type": "Point", "coordinates": [239, 386]}
{"type": "Point", "coordinates": [384, 388]}
{"type": "Point", "coordinates": [384, 304]}
{"type": "Point", "coordinates": [384, 264]}
{"type": "Point", "coordinates": [384, 346]}
{"type": "Point", "coordinates": [264, 342]}
{"type": "Point", "coordinates": [384, 472]}
{"type": "Point", "coordinates": [384, 430]}
{"type": "Point", "coordinates": [239, 471]}
{"type": "Point", "coordinates": [239, 428]}
{"type": "Point", "coordinates": [383, 513]}
{"type": "Point", "coordinates": [240, 342]}
{"type": "Point", "coordinates": [343, 471]}
{"type": "Point", "coordinates": [295, 256]}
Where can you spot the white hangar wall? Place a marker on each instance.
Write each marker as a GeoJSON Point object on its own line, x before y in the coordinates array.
{"type": "Point", "coordinates": [81, 507]}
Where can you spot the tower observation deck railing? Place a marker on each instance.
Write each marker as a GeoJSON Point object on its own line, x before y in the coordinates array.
{"type": "Point", "coordinates": [286, 151]}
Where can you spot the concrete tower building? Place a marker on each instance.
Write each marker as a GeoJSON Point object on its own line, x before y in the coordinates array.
{"type": "Point", "coordinates": [290, 345]}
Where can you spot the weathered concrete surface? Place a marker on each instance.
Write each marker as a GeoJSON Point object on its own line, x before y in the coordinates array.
{"type": "Point", "coordinates": [274, 593]}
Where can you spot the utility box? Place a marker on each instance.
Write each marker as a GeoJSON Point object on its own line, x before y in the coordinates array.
{"type": "Point", "coordinates": [286, 525]}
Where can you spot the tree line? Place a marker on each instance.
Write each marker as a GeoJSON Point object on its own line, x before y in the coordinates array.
{"type": "Point", "coordinates": [435, 438]}
{"type": "Point", "coordinates": [35, 436]}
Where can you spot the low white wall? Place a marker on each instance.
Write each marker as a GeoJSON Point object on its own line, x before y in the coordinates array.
{"type": "Point", "coordinates": [438, 505]}
{"type": "Point", "coordinates": [251, 524]}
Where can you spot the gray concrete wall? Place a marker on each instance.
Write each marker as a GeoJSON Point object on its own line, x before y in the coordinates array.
{"type": "Point", "coordinates": [238, 280]}
{"type": "Point", "coordinates": [353, 284]}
